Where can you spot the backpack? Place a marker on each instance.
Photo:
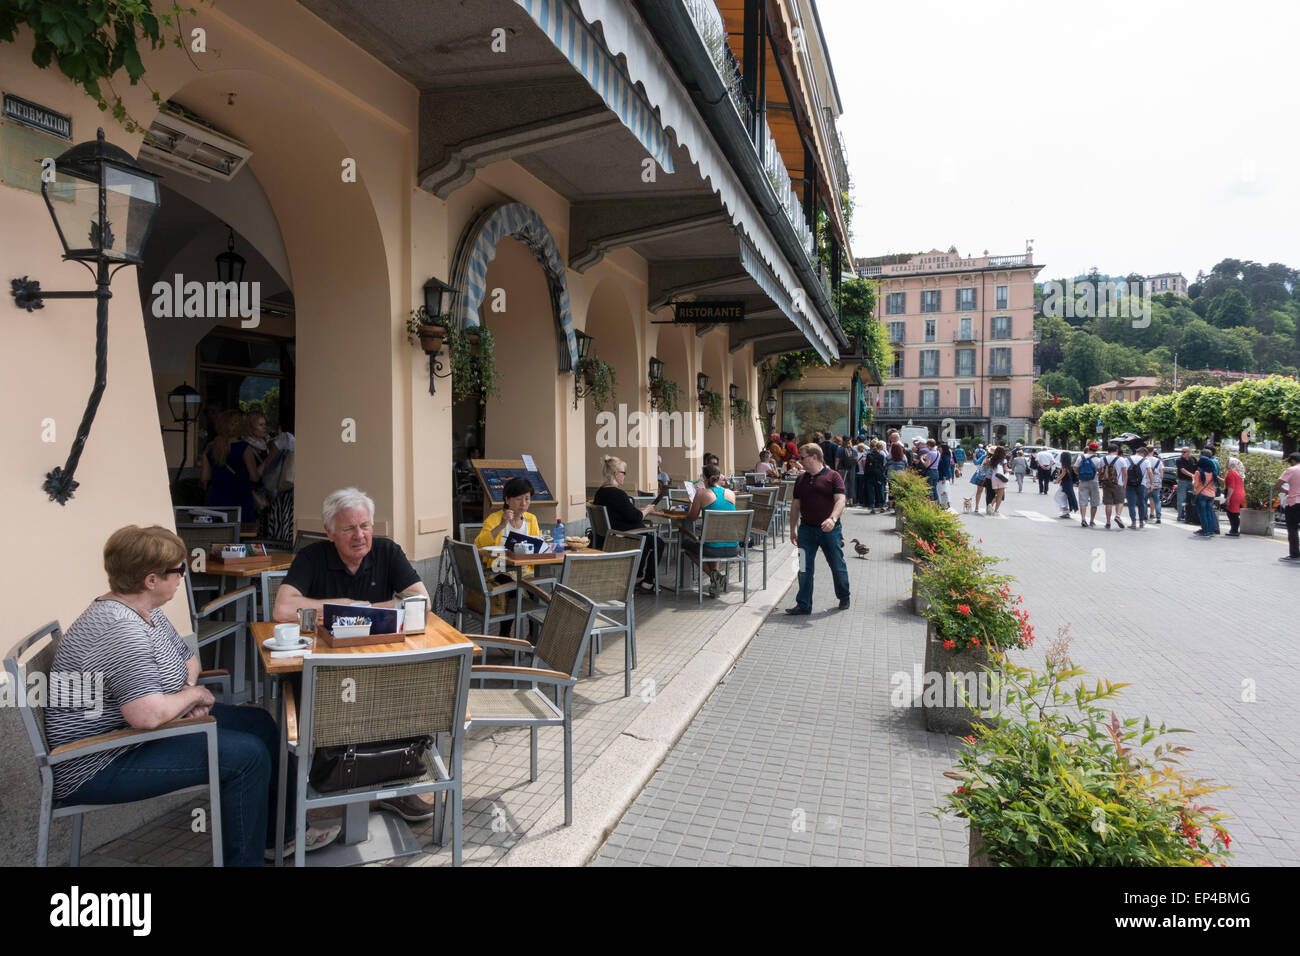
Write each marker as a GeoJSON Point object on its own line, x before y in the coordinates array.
{"type": "Point", "coordinates": [875, 464]}
{"type": "Point", "coordinates": [1108, 476]}
{"type": "Point", "coordinates": [1087, 469]}
{"type": "Point", "coordinates": [1134, 472]}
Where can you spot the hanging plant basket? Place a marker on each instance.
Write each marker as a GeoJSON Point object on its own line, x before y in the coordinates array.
{"type": "Point", "coordinates": [431, 338]}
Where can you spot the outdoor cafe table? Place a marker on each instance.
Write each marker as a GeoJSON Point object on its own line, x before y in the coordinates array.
{"type": "Point", "coordinates": [437, 633]}
{"type": "Point", "coordinates": [673, 516]}
{"type": "Point", "coordinates": [276, 561]}
{"type": "Point", "coordinates": [518, 562]}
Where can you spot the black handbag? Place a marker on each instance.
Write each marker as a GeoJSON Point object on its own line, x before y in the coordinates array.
{"type": "Point", "coordinates": [446, 595]}
{"type": "Point", "coordinates": [367, 765]}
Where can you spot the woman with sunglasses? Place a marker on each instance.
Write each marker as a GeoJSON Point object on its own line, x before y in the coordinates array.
{"type": "Point", "coordinates": [145, 676]}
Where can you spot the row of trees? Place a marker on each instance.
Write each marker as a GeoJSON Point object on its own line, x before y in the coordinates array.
{"type": "Point", "coordinates": [1268, 408]}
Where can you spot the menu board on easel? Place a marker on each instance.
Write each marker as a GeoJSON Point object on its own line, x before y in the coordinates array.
{"type": "Point", "coordinates": [493, 473]}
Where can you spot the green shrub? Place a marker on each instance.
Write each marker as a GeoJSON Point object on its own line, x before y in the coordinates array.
{"type": "Point", "coordinates": [929, 521]}
{"type": "Point", "coordinates": [1059, 780]}
{"type": "Point", "coordinates": [907, 488]}
{"type": "Point", "coordinates": [970, 605]}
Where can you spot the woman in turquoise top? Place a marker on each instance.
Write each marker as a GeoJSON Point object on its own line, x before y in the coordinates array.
{"type": "Point", "coordinates": [713, 497]}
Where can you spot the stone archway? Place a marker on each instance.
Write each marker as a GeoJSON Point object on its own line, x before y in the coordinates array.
{"type": "Point", "coordinates": [477, 249]}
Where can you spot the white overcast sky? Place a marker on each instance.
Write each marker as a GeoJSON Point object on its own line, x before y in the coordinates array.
{"type": "Point", "coordinates": [1132, 136]}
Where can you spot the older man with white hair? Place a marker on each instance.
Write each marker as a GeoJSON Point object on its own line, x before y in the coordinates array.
{"type": "Point", "coordinates": [352, 566]}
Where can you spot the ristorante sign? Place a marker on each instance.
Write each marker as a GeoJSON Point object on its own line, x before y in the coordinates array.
{"type": "Point", "coordinates": [708, 313]}
{"type": "Point", "coordinates": [37, 117]}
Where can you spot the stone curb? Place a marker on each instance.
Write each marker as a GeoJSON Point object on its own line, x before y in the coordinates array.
{"type": "Point", "coordinates": [610, 785]}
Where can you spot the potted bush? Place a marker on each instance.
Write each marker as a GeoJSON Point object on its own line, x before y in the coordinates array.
{"type": "Point", "coordinates": [667, 394]}
{"type": "Point", "coordinates": [1262, 472]}
{"type": "Point", "coordinates": [925, 522]}
{"type": "Point", "coordinates": [1058, 779]}
{"type": "Point", "coordinates": [472, 356]}
{"type": "Point", "coordinates": [713, 407]}
{"type": "Point", "coordinates": [906, 488]}
{"type": "Point", "coordinates": [971, 613]}
{"type": "Point", "coordinates": [427, 331]}
{"type": "Point", "coordinates": [741, 410]}
{"type": "Point", "coordinates": [600, 380]}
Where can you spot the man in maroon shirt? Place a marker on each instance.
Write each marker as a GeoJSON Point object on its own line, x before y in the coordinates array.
{"type": "Point", "coordinates": [819, 499]}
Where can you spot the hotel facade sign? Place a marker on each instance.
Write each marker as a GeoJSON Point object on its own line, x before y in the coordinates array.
{"type": "Point", "coordinates": [37, 117]}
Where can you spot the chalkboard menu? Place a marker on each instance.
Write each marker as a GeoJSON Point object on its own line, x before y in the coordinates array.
{"type": "Point", "coordinates": [494, 474]}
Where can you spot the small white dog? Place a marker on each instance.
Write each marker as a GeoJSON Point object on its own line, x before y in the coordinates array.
{"type": "Point", "coordinates": [965, 505]}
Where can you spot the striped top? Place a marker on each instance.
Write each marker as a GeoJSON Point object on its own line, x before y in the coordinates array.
{"type": "Point", "coordinates": [135, 659]}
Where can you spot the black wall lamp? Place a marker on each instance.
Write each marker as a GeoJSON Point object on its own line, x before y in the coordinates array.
{"type": "Point", "coordinates": [230, 264]}
{"type": "Point", "coordinates": [436, 293]}
{"type": "Point", "coordinates": [702, 389]}
{"type": "Point", "coordinates": [184, 402]}
{"type": "Point", "coordinates": [733, 392]}
{"type": "Point", "coordinates": [770, 404]}
{"type": "Point", "coordinates": [656, 382]}
{"type": "Point", "coordinates": [584, 347]}
{"type": "Point", "coordinates": [104, 207]}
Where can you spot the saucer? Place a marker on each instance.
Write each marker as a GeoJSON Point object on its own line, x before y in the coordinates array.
{"type": "Point", "coordinates": [271, 645]}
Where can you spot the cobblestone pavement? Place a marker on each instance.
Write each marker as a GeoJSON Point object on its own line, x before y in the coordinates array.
{"type": "Point", "coordinates": [798, 757]}
{"type": "Point", "coordinates": [500, 805]}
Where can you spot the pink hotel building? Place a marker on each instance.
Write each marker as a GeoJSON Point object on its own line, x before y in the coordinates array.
{"type": "Point", "coordinates": [963, 337]}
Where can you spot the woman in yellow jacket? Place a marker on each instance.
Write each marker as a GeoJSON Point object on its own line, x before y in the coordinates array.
{"type": "Point", "coordinates": [513, 516]}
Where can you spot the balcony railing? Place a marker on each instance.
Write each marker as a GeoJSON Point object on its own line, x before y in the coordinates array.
{"type": "Point", "coordinates": [713, 33]}
{"type": "Point", "coordinates": [1000, 371]}
{"type": "Point", "coordinates": [932, 411]}
{"type": "Point", "coordinates": [869, 271]}
{"type": "Point", "coordinates": [968, 336]}
{"type": "Point", "coordinates": [1005, 262]}
{"type": "Point", "coordinates": [1037, 371]}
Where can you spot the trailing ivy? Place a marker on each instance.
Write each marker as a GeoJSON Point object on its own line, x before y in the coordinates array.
{"type": "Point", "coordinates": [91, 40]}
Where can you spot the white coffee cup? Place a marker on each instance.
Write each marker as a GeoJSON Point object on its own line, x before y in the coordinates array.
{"type": "Point", "coordinates": [286, 635]}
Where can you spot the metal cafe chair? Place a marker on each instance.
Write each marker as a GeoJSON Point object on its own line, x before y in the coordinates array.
{"type": "Point", "coordinates": [304, 538]}
{"type": "Point", "coordinates": [199, 535]}
{"type": "Point", "coordinates": [719, 526]}
{"type": "Point", "coordinates": [469, 531]}
{"type": "Point", "coordinates": [598, 524]}
{"type": "Point", "coordinates": [763, 528]}
{"type": "Point", "coordinates": [609, 581]}
{"type": "Point", "coordinates": [477, 594]}
{"type": "Point", "coordinates": [555, 662]}
{"type": "Point", "coordinates": [23, 665]}
{"type": "Point", "coordinates": [365, 698]}
{"type": "Point", "coordinates": [210, 629]}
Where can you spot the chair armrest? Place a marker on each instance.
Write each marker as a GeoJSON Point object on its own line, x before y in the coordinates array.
{"type": "Point", "coordinates": [290, 713]}
{"type": "Point", "coordinates": [501, 643]}
{"type": "Point", "coordinates": [501, 589]}
{"type": "Point", "coordinates": [233, 597]}
{"type": "Point", "coordinates": [539, 591]}
{"type": "Point", "coordinates": [220, 678]}
{"type": "Point", "coordinates": [129, 736]}
{"type": "Point", "coordinates": [506, 672]}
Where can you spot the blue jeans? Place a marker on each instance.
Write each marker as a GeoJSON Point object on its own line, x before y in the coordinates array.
{"type": "Point", "coordinates": [831, 544]}
{"type": "Point", "coordinates": [1205, 509]}
{"type": "Point", "coordinates": [1153, 501]}
{"type": "Point", "coordinates": [861, 495]}
{"type": "Point", "coordinates": [248, 748]}
{"type": "Point", "coordinates": [932, 476]}
{"type": "Point", "coordinates": [1184, 490]}
{"type": "Point", "coordinates": [1137, 503]}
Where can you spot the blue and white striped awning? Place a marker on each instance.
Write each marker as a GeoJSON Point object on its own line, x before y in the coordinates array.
{"type": "Point", "coordinates": [793, 310]}
{"type": "Point", "coordinates": [478, 247]}
{"type": "Point", "coordinates": [574, 37]}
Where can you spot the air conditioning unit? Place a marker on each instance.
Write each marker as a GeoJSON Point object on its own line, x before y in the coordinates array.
{"type": "Point", "coordinates": [186, 145]}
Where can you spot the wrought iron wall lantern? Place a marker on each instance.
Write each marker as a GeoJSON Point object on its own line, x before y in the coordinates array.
{"type": "Point", "coordinates": [103, 206]}
{"type": "Point", "coordinates": [184, 402]}
{"type": "Point", "coordinates": [733, 392]}
{"type": "Point", "coordinates": [769, 403]}
{"type": "Point", "coordinates": [656, 382]}
{"type": "Point", "coordinates": [702, 389]}
{"type": "Point", "coordinates": [436, 292]}
{"type": "Point", "coordinates": [230, 264]}
{"type": "Point", "coordinates": [580, 386]}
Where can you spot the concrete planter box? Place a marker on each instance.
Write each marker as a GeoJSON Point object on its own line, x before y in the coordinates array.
{"type": "Point", "coordinates": [898, 522]}
{"type": "Point", "coordinates": [920, 603]}
{"type": "Point", "coordinates": [977, 845]}
{"type": "Point", "coordinates": [1257, 521]}
{"type": "Point", "coordinates": [961, 670]}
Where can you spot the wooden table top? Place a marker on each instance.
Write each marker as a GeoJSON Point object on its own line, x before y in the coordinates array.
{"type": "Point", "coordinates": [524, 560]}
{"type": "Point", "coordinates": [671, 515]}
{"type": "Point", "coordinates": [438, 633]}
{"type": "Point", "coordinates": [279, 561]}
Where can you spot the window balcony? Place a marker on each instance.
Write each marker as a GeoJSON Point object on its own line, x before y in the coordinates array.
{"type": "Point", "coordinates": [933, 411]}
{"type": "Point", "coordinates": [968, 335]}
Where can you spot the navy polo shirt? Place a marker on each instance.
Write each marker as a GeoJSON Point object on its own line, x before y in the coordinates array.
{"type": "Point", "coordinates": [318, 573]}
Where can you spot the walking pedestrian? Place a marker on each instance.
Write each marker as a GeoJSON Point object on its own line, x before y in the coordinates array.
{"type": "Point", "coordinates": [1066, 481]}
{"type": "Point", "coordinates": [996, 488]}
{"type": "Point", "coordinates": [980, 454]}
{"type": "Point", "coordinates": [815, 525]}
{"type": "Point", "coordinates": [1111, 478]}
{"type": "Point", "coordinates": [1044, 458]}
{"type": "Point", "coordinates": [944, 469]}
{"type": "Point", "coordinates": [1135, 491]}
{"type": "Point", "coordinates": [1235, 484]}
{"type": "Point", "coordinates": [1019, 468]}
{"type": "Point", "coordinates": [1089, 488]}
{"type": "Point", "coordinates": [1290, 483]}
{"type": "Point", "coordinates": [1186, 466]}
{"type": "Point", "coordinates": [979, 478]}
{"type": "Point", "coordinates": [1154, 480]}
{"type": "Point", "coordinates": [930, 457]}
{"type": "Point", "coordinates": [1205, 485]}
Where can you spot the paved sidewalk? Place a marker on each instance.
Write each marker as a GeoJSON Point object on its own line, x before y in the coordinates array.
{"type": "Point", "coordinates": [798, 758]}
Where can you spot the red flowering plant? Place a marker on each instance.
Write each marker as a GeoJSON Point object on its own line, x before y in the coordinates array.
{"type": "Point", "coordinates": [970, 605]}
{"type": "Point", "coordinates": [1058, 779]}
{"type": "Point", "coordinates": [927, 525]}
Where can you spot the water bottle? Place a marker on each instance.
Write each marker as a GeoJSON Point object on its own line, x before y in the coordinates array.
{"type": "Point", "coordinates": [558, 535]}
